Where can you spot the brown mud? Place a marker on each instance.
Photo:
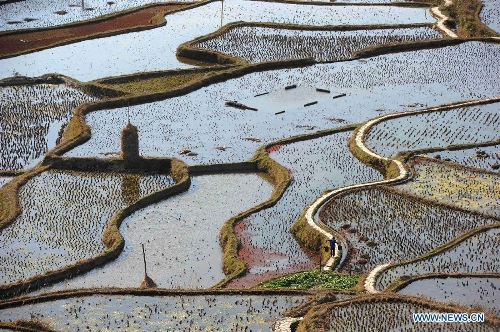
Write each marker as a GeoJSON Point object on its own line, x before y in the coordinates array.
{"type": "Point", "coordinates": [255, 256]}
{"type": "Point", "coordinates": [24, 41]}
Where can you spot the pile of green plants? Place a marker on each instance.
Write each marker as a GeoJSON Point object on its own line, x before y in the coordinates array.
{"type": "Point", "coordinates": [312, 279]}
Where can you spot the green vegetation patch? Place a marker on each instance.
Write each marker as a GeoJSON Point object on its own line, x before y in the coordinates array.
{"type": "Point", "coordinates": [312, 279]}
{"type": "Point", "coordinates": [159, 84]}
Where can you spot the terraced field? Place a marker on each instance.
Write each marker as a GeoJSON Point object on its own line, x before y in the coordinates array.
{"type": "Point", "coordinates": [471, 291]}
{"type": "Point", "coordinates": [465, 188]}
{"type": "Point", "coordinates": [159, 161]}
{"type": "Point", "coordinates": [175, 312]}
{"type": "Point", "coordinates": [371, 218]}
{"type": "Point", "coordinates": [485, 157]}
{"type": "Point", "coordinates": [63, 217]}
{"type": "Point", "coordinates": [466, 256]}
{"type": "Point", "coordinates": [278, 44]}
{"type": "Point", "coordinates": [32, 120]}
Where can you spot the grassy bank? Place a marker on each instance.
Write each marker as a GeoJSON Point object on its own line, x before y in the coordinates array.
{"type": "Point", "coordinates": [312, 279]}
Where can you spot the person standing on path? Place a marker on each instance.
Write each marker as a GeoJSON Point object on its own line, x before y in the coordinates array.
{"type": "Point", "coordinates": [332, 246]}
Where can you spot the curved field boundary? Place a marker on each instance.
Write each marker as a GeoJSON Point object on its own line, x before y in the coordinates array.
{"type": "Point", "coordinates": [23, 41]}
{"type": "Point", "coordinates": [431, 201]}
{"type": "Point", "coordinates": [434, 202]}
{"type": "Point", "coordinates": [112, 238]}
{"type": "Point", "coordinates": [285, 324]}
{"type": "Point", "coordinates": [374, 273]}
{"type": "Point", "coordinates": [406, 282]}
{"type": "Point", "coordinates": [371, 278]}
{"type": "Point", "coordinates": [360, 151]}
{"type": "Point", "coordinates": [393, 169]}
{"type": "Point", "coordinates": [317, 316]}
{"type": "Point", "coordinates": [411, 164]}
{"type": "Point", "coordinates": [434, 252]}
{"type": "Point", "coordinates": [191, 51]}
{"type": "Point", "coordinates": [232, 265]}
{"type": "Point", "coordinates": [415, 197]}
{"type": "Point", "coordinates": [314, 206]}
{"type": "Point", "coordinates": [9, 198]}
{"type": "Point", "coordinates": [407, 155]}
{"type": "Point", "coordinates": [77, 131]}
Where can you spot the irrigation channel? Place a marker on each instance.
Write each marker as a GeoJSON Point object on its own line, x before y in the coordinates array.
{"type": "Point", "coordinates": [366, 120]}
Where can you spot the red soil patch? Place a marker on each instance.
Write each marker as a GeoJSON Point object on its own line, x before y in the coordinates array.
{"type": "Point", "coordinates": [273, 148]}
{"type": "Point", "coordinates": [24, 42]}
{"type": "Point", "coordinates": [254, 257]}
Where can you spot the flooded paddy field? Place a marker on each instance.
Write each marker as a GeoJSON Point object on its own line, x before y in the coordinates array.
{"type": "Point", "coordinates": [391, 314]}
{"type": "Point", "coordinates": [258, 44]}
{"type": "Point", "coordinates": [476, 292]}
{"type": "Point", "coordinates": [63, 213]}
{"type": "Point", "coordinates": [48, 13]}
{"type": "Point", "coordinates": [464, 125]}
{"type": "Point", "coordinates": [486, 157]}
{"type": "Point", "coordinates": [211, 312]}
{"type": "Point", "coordinates": [180, 234]}
{"type": "Point", "coordinates": [200, 121]}
{"type": "Point", "coordinates": [32, 118]}
{"type": "Point", "coordinates": [267, 246]}
{"type": "Point", "coordinates": [490, 14]}
{"type": "Point", "coordinates": [62, 218]}
{"type": "Point", "coordinates": [371, 219]}
{"type": "Point", "coordinates": [461, 187]}
{"type": "Point", "coordinates": [479, 253]}
{"type": "Point", "coordinates": [141, 51]}
{"type": "Point", "coordinates": [203, 124]}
